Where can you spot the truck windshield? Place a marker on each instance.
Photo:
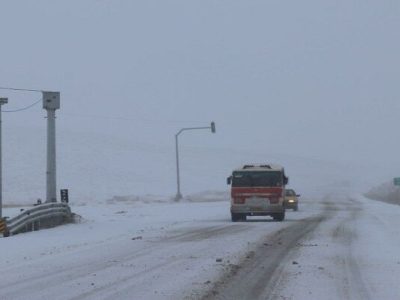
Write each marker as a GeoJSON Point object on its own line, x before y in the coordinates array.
{"type": "Point", "coordinates": [256, 179]}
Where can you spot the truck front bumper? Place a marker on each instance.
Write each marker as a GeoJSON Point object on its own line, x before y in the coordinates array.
{"type": "Point", "coordinates": [257, 211]}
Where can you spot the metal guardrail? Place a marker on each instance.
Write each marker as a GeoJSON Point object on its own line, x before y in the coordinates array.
{"type": "Point", "coordinates": [40, 216]}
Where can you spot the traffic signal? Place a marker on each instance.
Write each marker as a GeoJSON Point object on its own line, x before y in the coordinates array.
{"type": "Point", "coordinates": [213, 127]}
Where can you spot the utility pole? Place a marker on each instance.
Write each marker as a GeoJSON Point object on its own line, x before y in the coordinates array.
{"type": "Point", "coordinates": [2, 101]}
{"type": "Point", "coordinates": [178, 180]}
{"type": "Point", "coordinates": [51, 102]}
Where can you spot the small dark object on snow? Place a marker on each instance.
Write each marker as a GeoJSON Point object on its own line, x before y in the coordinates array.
{"type": "Point", "coordinates": [295, 262]}
{"type": "Point", "coordinates": [137, 238]}
{"type": "Point", "coordinates": [218, 260]}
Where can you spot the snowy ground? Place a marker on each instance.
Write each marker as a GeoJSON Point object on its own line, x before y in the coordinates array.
{"type": "Point", "coordinates": [353, 254]}
{"type": "Point", "coordinates": [333, 248]}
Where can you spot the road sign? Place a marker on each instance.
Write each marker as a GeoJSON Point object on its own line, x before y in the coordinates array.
{"type": "Point", "coordinates": [64, 196]}
{"type": "Point", "coordinates": [396, 181]}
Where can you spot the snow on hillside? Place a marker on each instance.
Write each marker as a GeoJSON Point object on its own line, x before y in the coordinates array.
{"type": "Point", "coordinates": [386, 192]}
{"type": "Point", "coordinates": [98, 166]}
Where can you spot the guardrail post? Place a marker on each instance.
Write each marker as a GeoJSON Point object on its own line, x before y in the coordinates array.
{"type": "Point", "coordinates": [3, 226]}
{"type": "Point", "coordinates": [2, 101]}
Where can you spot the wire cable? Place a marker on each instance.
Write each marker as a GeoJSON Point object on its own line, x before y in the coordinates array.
{"type": "Point", "coordinates": [24, 108]}
{"type": "Point", "coordinates": [132, 118]}
{"type": "Point", "coordinates": [16, 89]}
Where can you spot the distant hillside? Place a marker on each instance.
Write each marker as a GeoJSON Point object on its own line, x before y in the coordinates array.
{"type": "Point", "coordinates": [385, 192]}
{"type": "Point", "coordinates": [97, 166]}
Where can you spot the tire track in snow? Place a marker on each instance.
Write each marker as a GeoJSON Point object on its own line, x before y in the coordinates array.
{"type": "Point", "coordinates": [45, 281]}
{"type": "Point", "coordinates": [192, 235]}
{"type": "Point", "coordinates": [199, 234]}
{"type": "Point", "coordinates": [353, 285]}
{"type": "Point", "coordinates": [259, 272]}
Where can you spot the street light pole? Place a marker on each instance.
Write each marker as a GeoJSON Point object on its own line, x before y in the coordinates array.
{"type": "Point", "coordinates": [178, 182]}
{"type": "Point", "coordinates": [2, 101]}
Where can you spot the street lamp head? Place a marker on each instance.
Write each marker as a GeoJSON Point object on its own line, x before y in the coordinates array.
{"type": "Point", "coordinates": [213, 127]}
{"type": "Point", "coordinates": [3, 101]}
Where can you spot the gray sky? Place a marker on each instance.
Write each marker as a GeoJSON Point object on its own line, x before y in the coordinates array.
{"type": "Point", "coordinates": [315, 79]}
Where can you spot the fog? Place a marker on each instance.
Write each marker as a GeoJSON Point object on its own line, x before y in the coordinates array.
{"type": "Point", "coordinates": [312, 85]}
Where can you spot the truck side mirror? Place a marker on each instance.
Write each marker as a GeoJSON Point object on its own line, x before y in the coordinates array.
{"type": "Point", "coordinates": [298, 195]}
{"type": "Point", "coordinates": [285, 180]}
{"type": "Point", "coordinates": [229, 180]}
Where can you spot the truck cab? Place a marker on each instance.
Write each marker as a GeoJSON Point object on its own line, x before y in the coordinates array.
{"type": "Point", "coordinates": [258, 190]}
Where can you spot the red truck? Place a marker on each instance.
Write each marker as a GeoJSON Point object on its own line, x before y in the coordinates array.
{"type": "Point", "coordinates": [258, 190]}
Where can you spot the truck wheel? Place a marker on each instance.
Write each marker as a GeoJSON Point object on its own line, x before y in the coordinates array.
{"type": "Point", "coordinates": [235, 217]}
{"type": "Point", "coordinates": [279, 217]}
{"type": "Point", "coordinates": [296, 208]}
{"type": "Point", "coordinates": [243, 218]}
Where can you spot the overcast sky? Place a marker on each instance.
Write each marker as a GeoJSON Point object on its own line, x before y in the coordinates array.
{"type": "Point", "coordinates": [315, 79]}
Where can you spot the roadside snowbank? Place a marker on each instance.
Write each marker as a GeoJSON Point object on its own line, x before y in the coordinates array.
{"type": "Point", "coordinates": [386, 192]}
{"type": "Point", "coordinates": [206, 196]}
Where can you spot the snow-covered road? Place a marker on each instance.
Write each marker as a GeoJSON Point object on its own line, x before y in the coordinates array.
{"type": "Point", "coordinates": [333, 248]}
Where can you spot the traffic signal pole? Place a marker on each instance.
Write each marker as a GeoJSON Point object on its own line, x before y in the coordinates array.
{"type": "Point", "coordinates": [178, 181]}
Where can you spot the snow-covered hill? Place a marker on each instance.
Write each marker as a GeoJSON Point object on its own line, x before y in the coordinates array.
{"type": "Point", "coordinates": [97, 166]}
{"type": "Point", "coordinates": [386, 192]}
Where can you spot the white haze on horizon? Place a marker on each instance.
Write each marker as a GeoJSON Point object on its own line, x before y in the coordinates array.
{"type": "Point", "coordinates": [311, 85]}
